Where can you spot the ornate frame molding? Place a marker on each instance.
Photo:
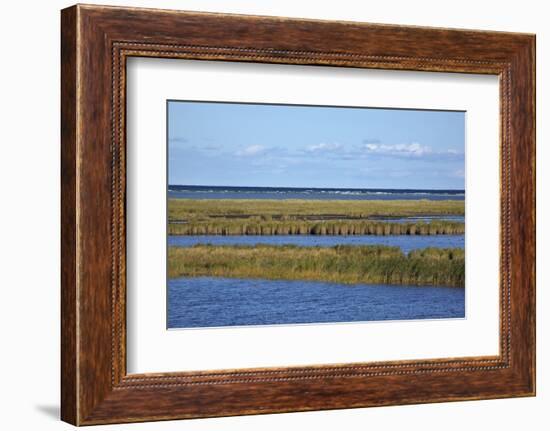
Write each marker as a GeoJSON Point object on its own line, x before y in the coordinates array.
{"type": "Point", "coordinates": [96, 41]}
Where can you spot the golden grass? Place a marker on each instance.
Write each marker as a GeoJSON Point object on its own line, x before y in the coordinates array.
{"type": "Point", "coordinates": [342, 264]}
{"type": "Point", "coordinates": [198, 209]}
{"type": "Point", "coordinates": [305, 227]}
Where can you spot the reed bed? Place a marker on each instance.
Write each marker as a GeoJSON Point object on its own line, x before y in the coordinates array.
{"type": "Point", "coordinates": [305, 227]}
{"type": "Point", "coordinates": [339, 264]}
{"type": "Point", "coordinates": [292, 209]}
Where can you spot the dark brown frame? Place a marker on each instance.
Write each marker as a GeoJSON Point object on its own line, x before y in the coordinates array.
{"type": "Point", "coordinates": [95, 43]}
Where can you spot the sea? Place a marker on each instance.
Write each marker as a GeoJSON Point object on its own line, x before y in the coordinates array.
{"type": "Point", "coordinates": [228, 192]}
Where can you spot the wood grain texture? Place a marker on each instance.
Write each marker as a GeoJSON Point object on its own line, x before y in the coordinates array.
{"type": "Point", "coordinates": [69, 366]}
{"type": "Point", "coordinates": [96, 41]}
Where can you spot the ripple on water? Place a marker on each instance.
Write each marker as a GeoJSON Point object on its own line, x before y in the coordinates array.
{"type": "Point", "coordinates": [195, 302]}
{"type": "Point", "coordinates": [405, 242]}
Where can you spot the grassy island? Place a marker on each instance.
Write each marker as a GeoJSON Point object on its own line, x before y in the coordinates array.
{"type": "Point", "coordinates": [341, 264]}
{"type": "Point", "coordinates": [310, 217]}
{"type": "Point", "coordinates": [302, 209]}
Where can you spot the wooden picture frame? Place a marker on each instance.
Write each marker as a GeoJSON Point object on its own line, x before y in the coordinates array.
{"type": "Point", "coordinates": [95, 43]}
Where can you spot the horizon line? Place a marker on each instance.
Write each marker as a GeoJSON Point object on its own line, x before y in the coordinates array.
{"type": "Point", "coordinates": [317, 188]}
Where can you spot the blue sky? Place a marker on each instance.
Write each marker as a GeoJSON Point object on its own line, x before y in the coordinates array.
{"type": "Point", "coordinates": [305, 146]}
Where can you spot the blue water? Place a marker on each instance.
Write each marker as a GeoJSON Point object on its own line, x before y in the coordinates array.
{"type": "Point", "coordinates": [409, 219]}
{"type": "Point", "coordinates": [405, 242]}
{"type": "Point", "coordinates": [198, 302]}
{"type": "Point", "coordinates": [416, 219]}
{"type": "Point", "coordinates": [227, 192]}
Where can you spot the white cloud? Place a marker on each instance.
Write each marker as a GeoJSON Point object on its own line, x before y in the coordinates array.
{"type": "Point", "coordinates": [408, 150]}
{"type": "Point", "coordinates": [459, 173]}
{"type": "Point", "coordinates": [324, 147]}
{"type": "Point", "coordinates": [252, 150]}
{"type": "Point", "coordinates": [414, 149]}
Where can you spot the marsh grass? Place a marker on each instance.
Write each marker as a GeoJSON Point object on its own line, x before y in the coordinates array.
{"type": "Point", "coordinates": [308, 217]}
{"type": "Point", "coordinates": [304, 227]}
{"type": "Point", "coordinates": [340, 264]}
{"type": "Point", "coordinates": [296, 209]}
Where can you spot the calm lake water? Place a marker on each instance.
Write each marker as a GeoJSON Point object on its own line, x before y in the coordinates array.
{"type": "Point", "coordinates": [197, 302]}
{"type": "Point", "coordinates": [405, 242]}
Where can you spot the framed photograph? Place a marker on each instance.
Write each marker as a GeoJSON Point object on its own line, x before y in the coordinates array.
{"type": "Point", "coordinates": [264, 214]}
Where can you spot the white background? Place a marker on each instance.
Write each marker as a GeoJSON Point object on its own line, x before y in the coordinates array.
{"type": "Point", "coordinates": [151, 348]}
{"type": "Point", "coordinates": [29, 236]}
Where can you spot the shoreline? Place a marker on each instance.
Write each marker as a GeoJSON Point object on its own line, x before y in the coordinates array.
{"type": "Point", "coordinates": [259, 279]}
{"type": "Point", "coordinates": [304, 227]}
{"type": "Point", "coordinates": [342, 264]}
{"type": "Point", "coordinates": [288, 209]}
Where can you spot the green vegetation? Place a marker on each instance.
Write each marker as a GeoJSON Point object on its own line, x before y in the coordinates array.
{"type": "Point", "coordinates": [257, 226]}
{"type": "Point", "coordinates": [299, 209]}
{"type": "Point", "coordinates": [309, 217]}
{"type": "Point", "coordinates": [341, 264]}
